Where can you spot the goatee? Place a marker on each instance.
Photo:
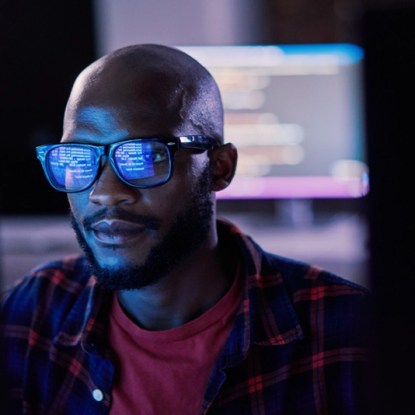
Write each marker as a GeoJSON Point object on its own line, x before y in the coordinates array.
{"type": "Point", "coordinates": [189, 230]}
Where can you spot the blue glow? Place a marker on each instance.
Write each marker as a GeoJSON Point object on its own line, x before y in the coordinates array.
{"type": "Point", "coordinates": [102, 120]}
{"type": "Point", "coordinates": [275, 55]}
{"type": "Point", "coordinates": [347, 53]}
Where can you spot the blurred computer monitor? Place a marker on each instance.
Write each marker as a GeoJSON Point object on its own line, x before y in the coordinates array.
{"type": "Point", "coordinates": [295, 113]}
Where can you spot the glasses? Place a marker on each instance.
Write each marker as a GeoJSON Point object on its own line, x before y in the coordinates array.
{"type": "Point", "coordinates": [139, 162]}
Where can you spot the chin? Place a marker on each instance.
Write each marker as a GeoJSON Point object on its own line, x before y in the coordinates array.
{"type": "Point", "coordinates": [190, 229]}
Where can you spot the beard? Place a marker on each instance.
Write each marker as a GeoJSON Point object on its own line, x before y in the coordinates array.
{"type": "Point", "coordinates": [189, 230]}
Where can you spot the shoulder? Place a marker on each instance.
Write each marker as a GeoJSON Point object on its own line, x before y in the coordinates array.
{"type": "Point", "coordinates": [279, 281]}
{"type": "Point", "coordinates": [300, 275]}
{"type": "Point", "coordinates": [308, 283]}
{"type": "Point", "coordinates": [52, 285]}
{"type": "Point", "coordinates": [323, 300]}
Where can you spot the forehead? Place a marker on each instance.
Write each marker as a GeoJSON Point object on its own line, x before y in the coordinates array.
{"type": "Point", "coordinates": [116, 105]}
{"type": "Point", "coordinates": [92, 124]}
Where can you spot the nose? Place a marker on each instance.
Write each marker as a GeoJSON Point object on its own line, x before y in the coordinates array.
{"type": "Point", "coordinates": [109, 190]}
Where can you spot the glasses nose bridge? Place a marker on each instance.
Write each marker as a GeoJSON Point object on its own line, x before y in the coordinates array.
{"type": "Point", "coordinates": [106, 176]}
{"type": "Point", "coordinates": [105, 155]}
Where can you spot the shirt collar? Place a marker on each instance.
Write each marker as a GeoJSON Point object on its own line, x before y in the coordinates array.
{"type": "Point", "coordinates": [265, 301]}
{"type": "Point", "coordinates": [85, 324]}
{"type": "Point", "coordinates": [266, 316]}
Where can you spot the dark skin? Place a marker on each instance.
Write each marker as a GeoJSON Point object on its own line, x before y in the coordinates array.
{"type": "Point", "coordinates": [137, 94]}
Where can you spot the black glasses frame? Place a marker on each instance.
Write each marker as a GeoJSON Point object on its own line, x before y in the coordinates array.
{"type": "Point", "coordinates": [193, 142]}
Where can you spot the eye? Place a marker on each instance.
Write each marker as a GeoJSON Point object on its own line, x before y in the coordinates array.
{"type": "Point", "coordinates": [155, 156]}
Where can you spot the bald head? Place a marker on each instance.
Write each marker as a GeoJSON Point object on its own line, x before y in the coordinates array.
{"type": "Point", "coordinates": [153, 84]}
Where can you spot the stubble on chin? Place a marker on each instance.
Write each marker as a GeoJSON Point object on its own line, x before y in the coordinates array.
{"type": "Point", "coordinates": [189, 230]}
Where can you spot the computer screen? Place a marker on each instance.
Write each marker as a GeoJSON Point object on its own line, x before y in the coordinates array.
{"type": "Point", "coordinates": [295, 113]}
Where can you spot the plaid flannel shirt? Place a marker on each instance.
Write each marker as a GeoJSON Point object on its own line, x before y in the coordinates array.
{"type": "Point", "coordinates": [298, 344]}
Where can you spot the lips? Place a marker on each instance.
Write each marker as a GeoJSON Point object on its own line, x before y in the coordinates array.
{"type": "Point", "coordinates": [116, 231]}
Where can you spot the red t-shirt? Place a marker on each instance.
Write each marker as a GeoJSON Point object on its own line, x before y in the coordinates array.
{"type": "Point", "coordinates": [166, 372]}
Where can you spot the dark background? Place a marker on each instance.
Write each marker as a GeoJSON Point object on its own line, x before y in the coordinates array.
{"type": "Point", "coordinates": [388, 37]}
{"type": "Point", "coordinates": [43, 46]}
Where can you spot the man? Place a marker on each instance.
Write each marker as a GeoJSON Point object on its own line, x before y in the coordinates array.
{"type": "Point", "coordinates": [171, 311]}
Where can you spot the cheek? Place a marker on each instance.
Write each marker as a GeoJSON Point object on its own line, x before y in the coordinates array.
{"type": "Point", "coordinates": [187, 173]}
{"type": "Point", "coordinates": [190, 168]}
{"type": "Point", "coordinates": [78, 203]}
{"type": "Point", "coordinates": [176, 195]}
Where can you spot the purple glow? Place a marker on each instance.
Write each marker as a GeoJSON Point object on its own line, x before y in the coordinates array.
{"type": "Point", "coordinates": [294, 187]}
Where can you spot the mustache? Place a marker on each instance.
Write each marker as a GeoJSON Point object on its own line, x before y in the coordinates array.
{"type": "Point", "coordinates": [149, 222]}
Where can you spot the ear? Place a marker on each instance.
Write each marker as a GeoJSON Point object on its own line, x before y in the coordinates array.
{"type": "Point", "coordinates": [223, 165]}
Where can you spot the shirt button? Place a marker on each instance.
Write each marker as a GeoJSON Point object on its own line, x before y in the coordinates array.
{"type": "Point", "coordinates": [98, 395]}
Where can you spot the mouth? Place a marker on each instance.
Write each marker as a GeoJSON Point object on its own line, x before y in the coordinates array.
{"type": "Point", "coordinates": [117, 232]}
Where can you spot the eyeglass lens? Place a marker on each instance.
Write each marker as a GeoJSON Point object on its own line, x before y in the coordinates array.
{"type": "Point", "coordinates": [74, 167]}
{"type": "Point", "coordinates": [71, 167]}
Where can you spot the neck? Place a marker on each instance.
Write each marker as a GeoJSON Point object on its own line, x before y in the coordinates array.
{"type": "Point", "coordinates": [184, 294]}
